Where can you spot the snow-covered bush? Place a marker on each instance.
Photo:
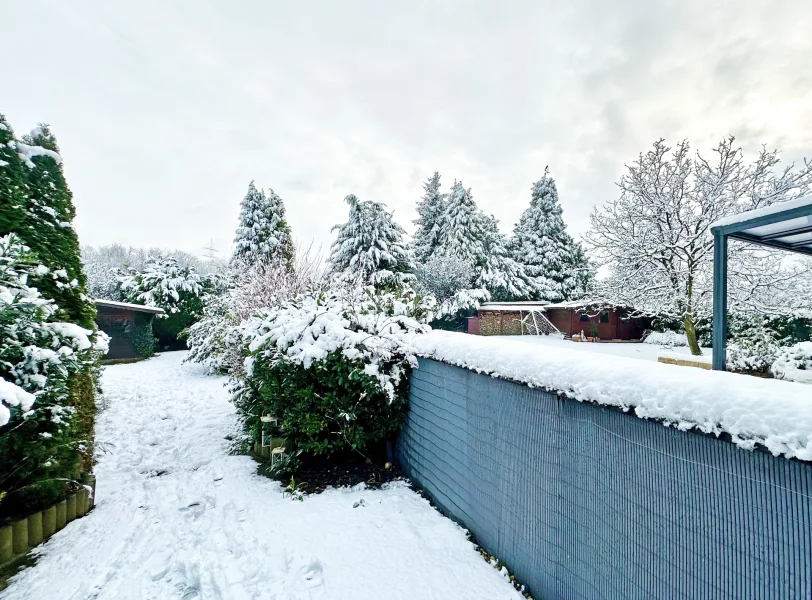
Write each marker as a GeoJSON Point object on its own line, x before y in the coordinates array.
{"type": "Point", "coordinates": [797, 357]}
{"type": "Point", "coordinates": [41, 364]}
{"type": "Point", "coordinates": [213, 336]}
{"type": "Point", "coordinates": [667, 338]}
{"type": "Point", "coordinates": [332, 366]}
{"type": "Point", "coordinates": [752, 355]}
{"type": "Point", "coordinates": [442, 277]}
{"type": "Point", "coordinates": [215, 340]}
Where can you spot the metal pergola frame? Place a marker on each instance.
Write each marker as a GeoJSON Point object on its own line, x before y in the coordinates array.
{"type": "Point", "coordinates": [794, 236]}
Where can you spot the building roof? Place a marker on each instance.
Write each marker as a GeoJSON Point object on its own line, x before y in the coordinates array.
{"type": "Point", "coordinates": [512, 306]}
{"type": "Point", "coordinates": [534, 306]}
{"type": "Point", "coordinates": [785, 225]}
{"type": "Point", "coordinates": [127, 306]}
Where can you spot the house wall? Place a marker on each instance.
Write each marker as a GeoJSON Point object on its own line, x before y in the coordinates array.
{"type": "Point", "coordinates": [585, 502]}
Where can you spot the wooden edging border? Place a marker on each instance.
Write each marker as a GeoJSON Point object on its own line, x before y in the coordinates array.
{"type": "Point", "coordinates": [24, 534]}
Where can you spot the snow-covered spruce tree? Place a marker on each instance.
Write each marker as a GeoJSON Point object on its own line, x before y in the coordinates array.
{"type": "Point", "coordinates": [263, 231]}
{"type": "Point", "coordinates": [655, 237]}
{"type": "Point", "coordinates": [165, 284]}
{"type": "Point", "coordinates": [42, 360]}
{"type": "Point", "coordinates": [467, 234]}
{"type": "Point", "coordinates": [369, 248]}
{"type": "Point", "coordinates": [497, 271]}
{"type": "Point", "coordinates": [48, 229]}
{"type": "Point", "coordinates": [429, 210]}
{"type": "Point", "coordinates": [541, 244]}
{"type": "Point", "coordinates": [462, 228]}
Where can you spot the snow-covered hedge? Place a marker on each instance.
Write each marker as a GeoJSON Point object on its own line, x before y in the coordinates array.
{"type": "Point", "coordinates": [36, 355]}
{"type": "Point", "coordinates": [752, 410]}
{"type": "Point", "coordinates": [332, 366]}
{"type": "Point", "coordinates": [666, 338]}
{"type": "Point", "coordinates": [47, 374]}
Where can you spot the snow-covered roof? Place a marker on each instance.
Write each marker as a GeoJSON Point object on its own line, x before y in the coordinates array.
{"type": "Point", "coordinates": [126, 305]}
{"type": "Point", "coordinates": [573, 304]}
{"type": "Point", "coordinates": [786, 225]}
{"type": "Point", "coordinates": [776, 414]}
{"type": "Point", "coordinates": [512, 306]}
{"type": "Point", "coordinates": [539, 306]}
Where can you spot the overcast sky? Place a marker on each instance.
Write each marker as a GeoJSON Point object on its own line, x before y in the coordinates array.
{"type": "Point", "coordinates": [165, 110]}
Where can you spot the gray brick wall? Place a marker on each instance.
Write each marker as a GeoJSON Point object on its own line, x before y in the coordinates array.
{"type": "Point", "coordinates": [587, 502]}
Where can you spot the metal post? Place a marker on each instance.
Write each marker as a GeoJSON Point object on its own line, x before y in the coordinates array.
{"type": "Point", "coordinates": [719, 302]}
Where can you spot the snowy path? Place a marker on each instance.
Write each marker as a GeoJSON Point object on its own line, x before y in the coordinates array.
{"type": "Point", "coordinates": [177, 518]}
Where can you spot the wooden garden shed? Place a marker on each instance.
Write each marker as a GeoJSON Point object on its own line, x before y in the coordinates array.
{"type": "Point", "coordinates": [124, 323]}
{"type": "Point", "coordinates": [569, 318]}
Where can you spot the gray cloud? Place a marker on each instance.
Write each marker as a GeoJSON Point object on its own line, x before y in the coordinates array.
{"type": "Point", "coordinates": [165, 111]}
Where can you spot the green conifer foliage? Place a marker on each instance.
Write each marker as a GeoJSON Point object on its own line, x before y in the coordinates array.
{"type": "Point", "coordinates": [48, 229]}
{"type": "Point", "coordinates": [13, 182]}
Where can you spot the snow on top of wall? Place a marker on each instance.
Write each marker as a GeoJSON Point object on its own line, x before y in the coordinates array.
{"type": "Point", "coordinates": [777, 414]}
{"type": "Point", "coordinates": [763, 212]}
{"type": "Point", "coordinates": [27, 152]}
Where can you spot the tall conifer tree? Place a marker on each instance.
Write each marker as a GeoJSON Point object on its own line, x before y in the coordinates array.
{"type": "Point", "coordinates": [370, 248]}
{"type": "Point", "coordinates": [429, 210]}
{"type": "Point", "coordinates": [49, 231]}
{"type": "Point", "coordinates": [13, 182]}
{"type": "Point", "coordinates": [550, 257]}
{"type": "Point", "coordinates": [263, 232]}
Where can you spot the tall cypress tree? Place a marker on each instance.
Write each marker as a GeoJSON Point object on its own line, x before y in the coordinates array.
{"type": "Point", "coordinates": [429, 210]}
{"type": "Point", "coordinates": [48, 228]}
{"type": "Point", "coordinates": [13, 182]}
{"type": "Point", "coordinates": [542, 245]}
{"type": "Point", "coordinates": [263, 232]}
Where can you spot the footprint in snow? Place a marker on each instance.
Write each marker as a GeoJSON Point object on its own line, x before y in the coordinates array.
{"type": "Point", "coordinates": [195, 509]}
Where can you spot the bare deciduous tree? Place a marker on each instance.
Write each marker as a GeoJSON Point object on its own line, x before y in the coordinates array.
{"type": "Point", "coordinates": [655, 237]}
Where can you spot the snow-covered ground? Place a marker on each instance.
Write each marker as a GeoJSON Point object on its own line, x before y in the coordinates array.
{"type": "Point", "coordinates": [178, 518]}
{"type": "Point", "coordinates": [629, 350]}
{"type": "Point", "coordinates": [636, 350]}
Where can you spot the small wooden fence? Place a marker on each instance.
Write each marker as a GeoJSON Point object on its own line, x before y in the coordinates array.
{"type": "Point", "coordinates": [20, 536]}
